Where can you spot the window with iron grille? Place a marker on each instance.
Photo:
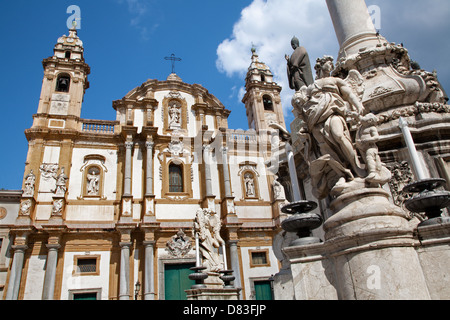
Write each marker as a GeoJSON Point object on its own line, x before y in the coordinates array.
{"type": "Point", "coordinates": [86, 265]}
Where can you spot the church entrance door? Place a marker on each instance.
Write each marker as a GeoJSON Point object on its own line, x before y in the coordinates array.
{"type": "Point", "coordinates": [263, 290]}
{"type": "Point", "coordinates": [176, 280]}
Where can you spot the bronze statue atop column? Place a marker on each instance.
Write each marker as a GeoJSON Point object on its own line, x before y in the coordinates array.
{"type": "Point", "coordinates": [299, 67]}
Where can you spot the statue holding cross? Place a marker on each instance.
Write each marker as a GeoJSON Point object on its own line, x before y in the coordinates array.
{"type": "Point", "coordinates": [173, 59]}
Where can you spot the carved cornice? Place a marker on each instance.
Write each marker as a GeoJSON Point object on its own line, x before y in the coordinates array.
{"type": "Point", "coordinates": [413, 110]}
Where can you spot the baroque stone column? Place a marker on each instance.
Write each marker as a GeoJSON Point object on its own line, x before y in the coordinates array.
{"type": "Point", "coordinates": [226, 173]}
{"type": "Point", "coordinates": [127, 177]}
{"type": "Point", "coordinates": [234, 259]}
{"type": "Point", "coordinates": [149, 281]}
{"type": "Point", "coordinates": [353, 25]}
{"type": "Point", "coordinates": [124, 282]}
{"type": "Point", "coordinates": [127, 197]}
{"type": "Point", "coordinates": [50, 271]}
{"type": "Point", "coordinates": [149, 196]}
{"type": "Point", "coordinates": [16, 272]}
{"type": "Point", "coordinates": [209, 197]}
{"type": "Point", "coordinates": [149, 168]}
{"type": "Point", "coordinates": [207, 160]}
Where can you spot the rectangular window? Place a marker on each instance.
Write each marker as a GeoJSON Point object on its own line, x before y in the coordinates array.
{"type": "Point", "coordinates": [259, 258]}
{"type": "Point", "coordinates": [85, 294]}
{"type": "Point", "coordinates": [86, 265]}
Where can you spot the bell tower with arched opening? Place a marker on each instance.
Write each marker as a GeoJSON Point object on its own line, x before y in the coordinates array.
{"type": "Point", "coordinates": [64, 84]}
{"type": "Point", "coordinates": [262, 98]}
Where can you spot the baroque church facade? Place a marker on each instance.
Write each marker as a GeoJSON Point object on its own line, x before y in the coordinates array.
{"type": "Point", "coordinates": [108, 207]}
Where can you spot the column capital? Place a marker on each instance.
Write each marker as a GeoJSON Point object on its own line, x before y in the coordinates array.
{"type": "Point", "coordinates": [149, 243]}
{"type": "Point", "coordinates": [53, 246]}
{"type": "Point", "coordinates": [125, 244]}
{"type": "Point", "coordinates": [129, 144]}
{"type": "Point", "coordinates": [19, 247]}
{"type": "Point", "coordinates": [149, 144]}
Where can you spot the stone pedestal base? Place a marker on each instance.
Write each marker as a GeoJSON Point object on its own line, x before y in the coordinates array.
{"type": "Point", "coordinates": [363, 211]}
{"type": "Point", "coordinates": [283, 285]}
{"type": "Point", "coordinates": [213, 281]}
{"type": "Point", "coordinates": [369, 254]}
{"type": "Point", "coordinates": [213, 294]}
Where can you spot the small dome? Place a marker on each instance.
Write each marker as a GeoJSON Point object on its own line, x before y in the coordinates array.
{"type": "Point", "coordinates": [173, 77]}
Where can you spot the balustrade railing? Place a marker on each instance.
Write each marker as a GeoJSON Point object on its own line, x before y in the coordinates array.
{"type": "Point", "coordinates": [98, 126]}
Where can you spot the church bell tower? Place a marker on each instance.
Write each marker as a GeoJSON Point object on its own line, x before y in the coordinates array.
{"type": "Point", "coordinates": [64, 84]}
{"type": "Point", "coordinates": [262, 98]}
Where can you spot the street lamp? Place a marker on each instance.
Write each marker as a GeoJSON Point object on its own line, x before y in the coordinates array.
{"type": "Point", "coordinates": [137, 289]}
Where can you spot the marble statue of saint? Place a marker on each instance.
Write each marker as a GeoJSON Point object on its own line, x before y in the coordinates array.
{"type": "Point", "coordinates": [174, 116]}
{"type": "Point", "coordinates": [93, 183]}
{"type": "Point", "coordinates": [298, 66]}
{"type": "Point", "coordinates": [324, 106]}
{"type": "Point", "coordinates": [61, 181]}
{"type": "Point", "coordinates": [30, 180]}
{"type": "Point", "coordinates": [207, 224]}
{"type": "Point", "coordinates": [249, 185]}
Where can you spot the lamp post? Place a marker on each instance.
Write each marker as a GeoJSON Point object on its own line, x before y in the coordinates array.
{"type": "Point", "coordinates": [137, 289]}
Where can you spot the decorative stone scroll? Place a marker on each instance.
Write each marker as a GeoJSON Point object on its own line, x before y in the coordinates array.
{"type": "Point", "coordinates": [179, 245]}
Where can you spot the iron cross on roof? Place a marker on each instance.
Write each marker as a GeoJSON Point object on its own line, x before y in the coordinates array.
{"type": "Point", "coordinates": [173, 59]}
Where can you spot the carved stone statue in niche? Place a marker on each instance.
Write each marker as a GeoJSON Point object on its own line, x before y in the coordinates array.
{"type": "Point", "coordinates": [93, 181]}
{"type": "Point", "coordinates": [325, 107]}
{"type": "Point", "coordinates": [174, 115]}
{"type": "Point", "coordinates": [30, 180]}
{"type": "Point", "coordinates": [207, 224]}
{"type": "Point", "coordinates": [249, 185]}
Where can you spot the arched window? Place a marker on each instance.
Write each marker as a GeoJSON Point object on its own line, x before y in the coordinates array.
{"type": "Point", "coordinates": [175, 178]}
{"type": "Point", "coordinates": [63, 83]}
{"type": "Point", "coordinates": [67, 54]}
{"type": "Point", "coordinates": [263, 78]}
{"type": "Point", "coordinates": [268, 104]}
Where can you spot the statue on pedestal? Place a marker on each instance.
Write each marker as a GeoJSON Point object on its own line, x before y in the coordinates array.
{"type": "Point", "coordinates": [207, 224]}
{"type": "Point", "coordinates": [298, 67]}
{"type": "Point", "coordinates": [61, 181]}
{"type": "Point", "coordinates": [30, 180]}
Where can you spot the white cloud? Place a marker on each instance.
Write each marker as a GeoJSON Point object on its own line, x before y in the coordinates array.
{"type": "Point", "coordinates": [139, 9]}
{"type": "Point", "coordinates": [270, 25]}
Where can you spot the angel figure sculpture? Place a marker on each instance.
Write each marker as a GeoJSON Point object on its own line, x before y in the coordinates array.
{"type": "Point", "coordinates": [207, 224]}
{"type": "Point", "coordinates": [324, 107]}
{"type": "Point", "coordinates": [366, 142]}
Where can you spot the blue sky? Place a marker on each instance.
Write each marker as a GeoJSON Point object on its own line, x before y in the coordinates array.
{"type": "Point", "coordinates": [126, 41]}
